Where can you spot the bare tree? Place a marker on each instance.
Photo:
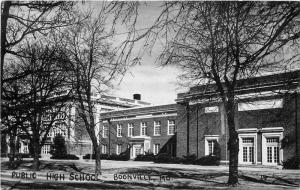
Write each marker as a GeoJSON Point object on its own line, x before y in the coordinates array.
{"type": "Point", "coordinates": [31, 99]}
{"type": "Point", "coordinates": [94, 65]}
{"type": "Point", "coordinates": [23, 19]}
{"type": "Point", "coordinates": [221, 42]}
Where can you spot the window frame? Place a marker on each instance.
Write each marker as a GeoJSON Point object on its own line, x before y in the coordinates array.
{"type": "Point", "coordinates": [155, 125]}
{"type": "Point", "coordinates": [119, 130]}
{"type": "Point", "coordinates": [206, 141]}
{"type": "Point", "coordinates": [169, 125]}
{"type": "Point", "coordinates": [104, 147]}
{"type": "Point", "coordinates": [105, 131]}
{"type": "Point", "coordinates": [130, 130]}
{"type": "Point", "coordinates": [156, 147]}
{"type": "Point", "coordinates": [143, 127]}
{"type": "Point", "coordinates": [119, 149]}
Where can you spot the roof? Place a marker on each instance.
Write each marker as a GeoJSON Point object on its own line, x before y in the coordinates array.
{"type": "Point", "coordinates": [287, 81]}
{"type": "Point", "coordinates": [140, 111]}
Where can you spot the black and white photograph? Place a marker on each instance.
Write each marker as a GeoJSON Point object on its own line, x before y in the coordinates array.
{"type": "Point", "coordinates": [150, 95]}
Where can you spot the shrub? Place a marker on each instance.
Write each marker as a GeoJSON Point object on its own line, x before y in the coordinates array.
{"type": "Point", "coordinates": [292, 163]}
{"type": "Point", "coordinates": [65, 157]}
{"type": "Point", "coordinates": [208, 161]}
{"type": "Point", "coordinates": [58, 149]}
{"type": "Point", "coordinates": [189, 159]}
{"type": "Point", "coordinates": [102, 156]}
{"type": "Point", "coordinates": [163, 158]}
{"type": "Point", "coordinates": [146, 157]}
{"type": "Point", "coordinates": [121, 156]}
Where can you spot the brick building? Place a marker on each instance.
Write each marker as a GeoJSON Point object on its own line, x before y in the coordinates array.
{"type": "Point", "coordinates": [69, 125]}
{"type": "Point", "coordinates": [267, 120]}
{"type": "Point", "coordinates": [141, 130]}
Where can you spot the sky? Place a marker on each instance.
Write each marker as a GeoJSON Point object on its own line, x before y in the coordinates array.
{"type": "Point", "coordinates": [156, 84]}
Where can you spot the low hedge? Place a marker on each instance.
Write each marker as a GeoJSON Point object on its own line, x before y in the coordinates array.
{"type": "Point", "coordinates": [102, 156]}
{"type": "Point", "coordinates": [146, 157]}
{"type": "Point", "coordinates": [166, 158]}
{"type": "Point", "coordinates": [65, 157]}
{"type": "Point", "coordinates": [123, 157]}
{"type": "Point", "coordinates": [189, 159]}
{"type": "Point", "coordinates": [292, 163]}
{"type": "Point", "coordinates": [207, 161]}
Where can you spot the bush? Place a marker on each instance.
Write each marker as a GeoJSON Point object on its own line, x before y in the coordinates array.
{"type": "Point", "coordinates": [121, 156]}
{"type": "Point", "coordinates": [292, 163]}
{"type": "Point", "coordinates": [166, 158]}
{"type": "Point", "coordinates": [59, 147]}
{"type": "Point", "coordinates": [102, 156]}
{"type": "Point", "coordinates": [65, 157]}
{"type": "Point", "coordinates": [208, 161]}
{"type": "Point", "coordinates": [146, 157]}
{"type": "Point", "coordinates": [189, 159]}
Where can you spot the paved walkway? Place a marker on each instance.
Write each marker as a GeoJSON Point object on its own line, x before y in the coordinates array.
{"type": "Point", "coordinates": [181, 176]}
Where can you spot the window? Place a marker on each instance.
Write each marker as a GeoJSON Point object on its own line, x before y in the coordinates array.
{"type": "Point", "coordinates": [157, 128]}
{"type": "Point", "coordinates": [130, 129]}
{"type": "Point", "coordinates": [119, 130]}
{"type": "Point", "coordinates": [248, 146]}
{"type": "Point", "coordinates": [156, 149]}
{"type": "Point", "coordinates": [45, 149]}
{"type": "Point", "coordinates": [25, 148]}
{"type": "Point", "coordinates": [248, 149]}
{"type": "Point", "coordinates": [105, 132]}
{"type": "Point", "coordinates": [104, 149]}
{"type": "Point", "coordinates": [119, 149]}
{"type": "Point", "coordinates": [171, 127]}
{"type": "Point", "coordinates": [210, 143]}
{"type": "Point", "coordinates": [143, 128]}
{"type": "Point", "coordinates": [272, 150]}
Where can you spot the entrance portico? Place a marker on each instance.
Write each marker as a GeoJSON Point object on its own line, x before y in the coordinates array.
{"type": "Point", "coordinates": [139, 145]}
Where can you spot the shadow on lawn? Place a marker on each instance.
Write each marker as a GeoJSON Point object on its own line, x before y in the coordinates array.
{"type": "Point", "coordinates": [214, 178]}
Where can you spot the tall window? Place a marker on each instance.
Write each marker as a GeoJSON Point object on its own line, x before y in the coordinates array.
{"type": "Point", "coordinates": [105, 132]}
{"type": "Point", "coordinates": [143, 128]}
{"type": "Point", "coordinates": [210, 143]}
{"type": "Point", "coordinates": [119, 149]}
{"type": "Point", "coordinates": [171, 127]}
{"type": "Point", "coordinates": [130, 129]}
{"type": "Point", "coordinates": [157, 128]}
{"type": "Point", "coordinates": [104, 149]}
{"type": "Point", "coordinates": [248, 149]}
{"type": "Point", "coordinates": [119, 130]}
{"type": "Point", "coordinates": [155, 149]}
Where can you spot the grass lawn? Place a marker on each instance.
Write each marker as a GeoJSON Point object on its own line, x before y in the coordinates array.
{"type": "Point", "coordinates": [145, 175]}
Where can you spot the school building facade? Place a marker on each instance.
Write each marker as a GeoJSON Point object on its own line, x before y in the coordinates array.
{"type": "Point", "coordinates": [266, 119]}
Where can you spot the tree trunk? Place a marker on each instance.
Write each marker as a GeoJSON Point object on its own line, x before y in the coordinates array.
{"type": "Point", "coordinates": [12, 151]}
{"type": "Point", "coordinates": [233, 144]}
{"type": "Point", "coordinates": [36, 155]}
{"type": "Point", "coordinates": [97, 160]}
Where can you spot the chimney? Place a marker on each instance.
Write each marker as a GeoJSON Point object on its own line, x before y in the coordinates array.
{"type": "Point", "coordinates": [137, 96]}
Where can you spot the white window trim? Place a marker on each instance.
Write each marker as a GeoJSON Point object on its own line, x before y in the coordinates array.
{"type": "Point", "coordinates": [119, 127]}
{"type": "Point", "coordinates": [154, 125]}
{"type": "Point", "coordinates": [103, 132]}
{"type": "Point", "coordinates": [143, 127]}
{"type": "Point", "coordinates": [169, 127]}
{"type": "Point", "coordinates": [209, 138]}
{"type": "Point", "coordinates": [130, 126]}
{"type": "Point", "coordinates": [265, 135]}
{"type": "Point", "coordinates": [155, 153]}
{"type": "Point", "coordinates": [104, 147]}
{"type": "Point", "coordinates": [118, 152]}
{"type": "Point", "coordinates": [248, 135]}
